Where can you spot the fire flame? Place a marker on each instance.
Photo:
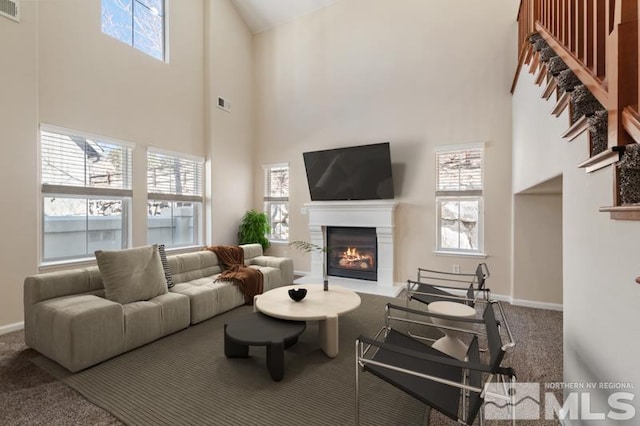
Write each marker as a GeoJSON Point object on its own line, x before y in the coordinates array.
{"type": "Point", "coordinates": [351, 258]}
{"type": "Point", "coordinates": [352, 252]}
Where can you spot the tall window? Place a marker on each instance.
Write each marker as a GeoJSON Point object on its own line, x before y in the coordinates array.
{"type": "Point", "coordinates": [459, 199]}
{"type": "Point", "coordinates": [86, 194]}
{"type": "Point", "coordinates": [174, 185]}
{"type": "Point", "coordinates": [138, 23]}
{"type": "Point", "coordinates": [276, 200]}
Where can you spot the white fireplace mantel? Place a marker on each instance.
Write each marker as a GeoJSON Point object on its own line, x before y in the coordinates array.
{"type": "Point", "coordinates": [378, 214]}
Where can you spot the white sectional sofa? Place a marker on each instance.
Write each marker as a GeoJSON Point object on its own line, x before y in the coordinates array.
{"type": "Point", "coordinates": [68, 318]}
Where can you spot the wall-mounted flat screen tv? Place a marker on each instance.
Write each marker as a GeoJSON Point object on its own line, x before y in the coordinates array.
{"type": "Point", "coordinates": [352, 173]}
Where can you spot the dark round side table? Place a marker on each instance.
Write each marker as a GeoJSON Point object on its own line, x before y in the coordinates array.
{"type": "Point", "coordinates": [258, 329]}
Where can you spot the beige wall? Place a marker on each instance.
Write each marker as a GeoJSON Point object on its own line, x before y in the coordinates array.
{"type": "Point", "coordinates": [599, 254]}
{"type": "Point", "coordinates": [415, 73]}
{"type": "Point", "coordinates": [97, 84]}
{"type": "Point", "coordinates": [537, 253]}
{"type": "Point", "coordinates": [229, 138]}
{"type": "Point", "coordinates": [18, 171]}
{"type": "Point", "coordinates": [90, 81]}
{"type": "Point", "coordinates": [65, 72]}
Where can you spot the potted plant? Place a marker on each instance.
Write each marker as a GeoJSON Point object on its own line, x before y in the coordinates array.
{"type": "Point", "coordinates": [254, 228]}
{"type": "Point", "coordinates": [308, 247]}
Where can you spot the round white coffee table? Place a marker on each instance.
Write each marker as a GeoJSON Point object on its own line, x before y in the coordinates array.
{"type": "Point", "coordinates": [318, 305]}
{"type": "Point", "coordinates": [450, 343]}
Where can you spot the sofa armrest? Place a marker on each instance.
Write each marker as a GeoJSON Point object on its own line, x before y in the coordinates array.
{"type": "Point", "coordinates": [38, 288]}
{"type": "Point", "coordinates": [284, 264]}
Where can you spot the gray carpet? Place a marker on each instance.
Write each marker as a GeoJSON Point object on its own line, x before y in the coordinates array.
{"type": "Point", "coordinates": [185, 379]}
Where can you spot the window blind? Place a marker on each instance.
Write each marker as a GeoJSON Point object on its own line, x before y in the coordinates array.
{"type": "Point", "coordinates": [459, 171]}
{"type": "Point", "coordinates": [81, 165]}
{"type": "Point", "coordinates": [276, 183]}
{"type": "Point", "coordinates": [173, 177]}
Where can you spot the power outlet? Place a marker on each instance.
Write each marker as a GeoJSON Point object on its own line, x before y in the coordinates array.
{"type": "Point", "coordinates": [456, 268]}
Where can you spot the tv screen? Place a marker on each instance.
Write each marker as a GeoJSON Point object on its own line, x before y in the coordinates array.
{"type": "Point", "coordinates": [352, 173]}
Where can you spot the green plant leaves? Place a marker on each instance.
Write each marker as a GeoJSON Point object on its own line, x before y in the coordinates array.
{"type": "Point", "coordinates": [307, 247]}
{"type": "Point", "coordinates": [254, 228]}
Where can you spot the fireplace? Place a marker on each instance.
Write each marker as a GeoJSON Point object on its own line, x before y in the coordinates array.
{"type": "Point", "coordinates": [374, 214]}
{"type": "Point", "coordinates": [352, 252]}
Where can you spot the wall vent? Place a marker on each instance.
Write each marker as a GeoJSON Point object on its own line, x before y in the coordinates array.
{"type": "Point", "coordinates": [222, 103]}
{"type": "Point", "coordinates": [10, 9]}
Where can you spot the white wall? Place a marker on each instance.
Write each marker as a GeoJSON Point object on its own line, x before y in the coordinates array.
{"type": "Point", "coordinates": [93, 82]}
{"type": "Point", "coordinates": [63, 71]}
{"type": "Point", "coordinates": [537, 252]}
{"type": "Point", "coordinates": [18, 171]}
{"type": "Point", "coordinates": [229, 136]}
{"type": "Point", "coordinates": [415, 73]}
{"type": "Point", "coordinates": [535, 159]}
{"type": "Point", "coordinates": [600, 263]}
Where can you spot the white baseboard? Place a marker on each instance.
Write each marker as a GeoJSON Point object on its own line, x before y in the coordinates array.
{"type": "Point", "coordinates": [527, 303]}
{"type": "Point", "coordinates": [4, 329]}
{"type": "Point", "coordinates": [500, 297]}
{"type": "Point", "coordinates": [537, 305]}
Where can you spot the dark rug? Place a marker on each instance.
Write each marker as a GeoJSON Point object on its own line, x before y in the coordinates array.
{"type": "Point", "coordinates": [186, 379]}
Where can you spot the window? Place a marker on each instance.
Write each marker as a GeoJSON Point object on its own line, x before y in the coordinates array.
{"type": "Point", "coordinates": [138, 23]}
{"type": "Point", "coordinates": [86, 194]}
{"type": "Point", "coordinates": [174, 204]}
{"type": "Point", "coordinates": [459, 200]}
{"type": "Point", "coordinates": [276, 200]}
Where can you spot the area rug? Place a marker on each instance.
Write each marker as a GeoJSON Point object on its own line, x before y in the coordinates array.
{"type": "Point", "coordinates": [185, 379]}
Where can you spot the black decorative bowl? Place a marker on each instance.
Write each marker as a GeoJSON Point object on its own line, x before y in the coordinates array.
{"type": "Point", "coordinates": [297, 294]}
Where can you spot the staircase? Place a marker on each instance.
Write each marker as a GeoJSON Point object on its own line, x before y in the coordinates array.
{"type": "Point", "coordinates": [585, 53]}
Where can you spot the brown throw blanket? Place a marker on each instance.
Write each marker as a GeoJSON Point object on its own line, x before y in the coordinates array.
{"type": "Point", "coordinates": [248, 279]}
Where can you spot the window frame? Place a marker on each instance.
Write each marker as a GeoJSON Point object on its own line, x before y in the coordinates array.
{"type": "Point", "coordinates": [442, 196]}
{"type": "Point", "coordinates": [196, 199]}
{"type": "Point", "coordinates": [83, 193]}
{"type": "Point", "coordinates": [164, 37]}
{"type": "Point", "coordinates": [269, 200]}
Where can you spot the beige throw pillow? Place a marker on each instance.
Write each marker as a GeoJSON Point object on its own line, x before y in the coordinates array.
{"type": "Point", "coordinates": [131, 275]}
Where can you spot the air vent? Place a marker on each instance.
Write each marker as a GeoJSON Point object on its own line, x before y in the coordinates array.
{"type": "Point", "coordinates": [222, 103]}
{"type": "Point", "coordinates": [10, 9]}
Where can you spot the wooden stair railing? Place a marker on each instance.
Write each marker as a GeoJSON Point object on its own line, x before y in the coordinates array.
{"type": "Point", "coordinates": [598, 40]}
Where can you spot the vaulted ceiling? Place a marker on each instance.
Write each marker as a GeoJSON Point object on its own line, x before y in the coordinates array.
{"type": "Point", "coordinates": [262, 15]}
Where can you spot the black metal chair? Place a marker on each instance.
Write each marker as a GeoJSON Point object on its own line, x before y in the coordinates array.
{"type": "Point", "coordinates": [432, 285]}
{"type": "Point", "coordinates": [453, 387]}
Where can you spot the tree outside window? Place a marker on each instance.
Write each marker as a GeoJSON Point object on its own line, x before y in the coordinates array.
{"type": "Point", "coordinates": [86, 194]}
{"type": "Point", "coordinates": [138, 23]}
{"type": "Point", "coordinates": [174, 199]}
{"type": "Point", "coordinates": [276, 200]}
{"type": "Point", "coordinates": [459, 198]}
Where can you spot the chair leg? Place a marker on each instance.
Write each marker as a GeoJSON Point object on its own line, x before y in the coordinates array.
{"type": "Point", "coordinates": [465, 376]}
{"type": "Point", "coordinates": [357, 386]}
{"type": "Point", "coordinates": [513, 405]}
